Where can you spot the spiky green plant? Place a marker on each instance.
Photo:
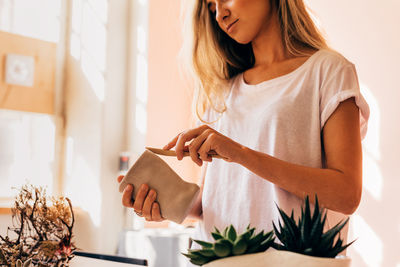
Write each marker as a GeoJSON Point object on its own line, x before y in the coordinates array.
{"type": "Point", "coordinates": [307, 236]}
{"type": "Point", "coordinates": [229, 243]}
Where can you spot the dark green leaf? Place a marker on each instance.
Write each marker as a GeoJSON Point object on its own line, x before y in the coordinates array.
{"type": "Point", "coordinates": [204, 244]}
{"type": "Point", "coordinates": [222, 249]}
{"type": "Point", "coordinates": [239, 247]}
{"type": "Point", "coordinates": [216, 236]}
{"type": "Point", "coordinates": [231, 234]}
{"type": "Point", "coordinates": [207, 252]}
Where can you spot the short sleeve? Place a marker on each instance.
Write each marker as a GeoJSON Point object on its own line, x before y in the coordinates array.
{"type": "Point", "coordinates": [337, 88]}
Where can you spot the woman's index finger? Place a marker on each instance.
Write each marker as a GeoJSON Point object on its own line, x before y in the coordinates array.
{"type": "Point", "coordinates": [186, 137]}
{"type": "Point", "coordinates": [172, 143]}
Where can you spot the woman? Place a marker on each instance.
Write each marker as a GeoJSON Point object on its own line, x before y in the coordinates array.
{"type": "Point", "coordinates": [283, 110]}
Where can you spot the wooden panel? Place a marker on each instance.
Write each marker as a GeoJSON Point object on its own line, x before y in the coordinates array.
{"type": "Point", "coordinates": [5, 211]}
{"type": "Point", "coordinates": [40, 97]}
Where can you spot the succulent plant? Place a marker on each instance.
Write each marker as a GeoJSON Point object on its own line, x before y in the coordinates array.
{"type": "Point", "coordinates": [307, 236]}
{"type": "Point", "coordinates": [229, 243]}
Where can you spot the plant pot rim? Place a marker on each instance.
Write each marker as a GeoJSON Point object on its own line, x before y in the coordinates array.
{"type": "Point", "coordinates": [337, 258]}
{"type": "Point", "coordinates": [284, 255]}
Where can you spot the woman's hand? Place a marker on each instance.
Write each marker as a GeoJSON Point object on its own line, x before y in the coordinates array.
{"type": "Point", "coordinates": [205, 140]}
{"type": "Point", "coordinates": [144, 204]}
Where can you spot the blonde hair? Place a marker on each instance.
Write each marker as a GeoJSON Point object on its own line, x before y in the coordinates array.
{"type": "Point", "coordinates": [215, 58]}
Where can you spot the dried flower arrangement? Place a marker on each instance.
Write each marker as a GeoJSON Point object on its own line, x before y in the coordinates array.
{"type": "Point", "coordinates": [42, 230]}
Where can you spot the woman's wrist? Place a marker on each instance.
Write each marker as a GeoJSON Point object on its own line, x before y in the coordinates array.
{"type": "Point", "coordinates": [243, 156]}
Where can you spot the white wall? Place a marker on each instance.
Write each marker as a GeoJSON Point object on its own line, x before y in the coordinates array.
{"type": "Point", "coordinates": [367, 33]}
{"type": "Point", "coordinates": [95, 117]}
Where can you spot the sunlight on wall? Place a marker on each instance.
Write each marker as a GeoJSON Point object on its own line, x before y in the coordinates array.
{"type": "Point", "coordinates": [94, 37]}
{"type": "Point", "coordinates": [141, 67]}
{"type": "Point", "coordinates": [368, 245]}
{"type": "Point", "coordinates": [88, 42]}
{"type": "Point", "coordinates": [75, 46]}
{"type": "Point", "coordinates": [141, 117]}
{"type": "Point", "coordinates": [5, 15]}
{"type": "Point", "coordinates": [142, 2]}
{"type": "Point", "coordinates": [100, 7]}
{"type": "Point", "coordinates": [38, 19]}
{"type": "Point", "coordinates": [372, 176]}
{"type": "Point", "coordinates": [371, 141]}
{"type": "Point", "coordinates": [141, 80]}
{"type": "Point", "coordinates": [141, 40]}
{"type": "Point", "coordinates": [95, 78]}
{"type": "Point", "coordinates": [76, 19]}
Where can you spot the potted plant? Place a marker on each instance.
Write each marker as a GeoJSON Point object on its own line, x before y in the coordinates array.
{"type": "Point", "coordinates": [228, 243]}
{"type": "Point", "coordinates": [41, 234]}
{"type": "Point", "coordinates": [302, 244]}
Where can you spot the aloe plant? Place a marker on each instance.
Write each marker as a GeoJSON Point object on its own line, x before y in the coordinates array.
{"type": "Point", "coordinates": [307, 236]}
{"type": "Point", "coordinates": [229, 243]}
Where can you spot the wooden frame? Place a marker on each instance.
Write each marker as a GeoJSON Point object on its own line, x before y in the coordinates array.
{"type": "Point", "coordinates": [40, 97]}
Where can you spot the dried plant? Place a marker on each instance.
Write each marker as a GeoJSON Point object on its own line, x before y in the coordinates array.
{"type": "Point", "coordinates": [42, 230]}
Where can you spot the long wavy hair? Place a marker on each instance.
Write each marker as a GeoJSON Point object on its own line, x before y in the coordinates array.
{"type": "Point", "coordinates": [214, 58]}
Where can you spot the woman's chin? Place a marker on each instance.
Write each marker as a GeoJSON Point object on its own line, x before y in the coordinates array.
{"type": "Point", "coordinates": [242, 41]}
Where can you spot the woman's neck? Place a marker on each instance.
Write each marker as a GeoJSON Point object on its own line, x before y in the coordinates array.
{"type": "Point", "coordinates": [268, 47]}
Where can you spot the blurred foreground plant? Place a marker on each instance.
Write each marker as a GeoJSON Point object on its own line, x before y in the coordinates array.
{"type": "Point", "coordinates": [42, 230]}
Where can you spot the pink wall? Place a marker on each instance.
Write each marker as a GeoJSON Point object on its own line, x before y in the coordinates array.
{"type": "Point", "coordinates": [366, 33]}
{"type": "Point", "coordinates": [169, 100]}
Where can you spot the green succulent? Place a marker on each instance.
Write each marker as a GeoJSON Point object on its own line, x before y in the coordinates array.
{"type": "Point", "coordinates": [307, 236]}
{"type": "Point", "coordinates": [229, 243]}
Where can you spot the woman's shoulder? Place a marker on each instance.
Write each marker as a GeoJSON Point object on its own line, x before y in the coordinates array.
{"type": "Point", "coordinates": [330, 59]}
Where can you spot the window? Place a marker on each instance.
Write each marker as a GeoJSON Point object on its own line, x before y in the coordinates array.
{"type": "Point", "coordinates": [28, 140]}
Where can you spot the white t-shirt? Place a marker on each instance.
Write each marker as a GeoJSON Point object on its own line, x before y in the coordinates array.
{"type": "Point", "coordinates": [282, 117]}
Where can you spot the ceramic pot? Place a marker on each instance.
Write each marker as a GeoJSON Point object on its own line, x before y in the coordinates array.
{"type": "Point", "coordinates": [175, 196]}
{"type": "Point", "coordinates": [279, 258]}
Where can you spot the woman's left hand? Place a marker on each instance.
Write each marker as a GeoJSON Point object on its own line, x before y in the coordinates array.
{"type": "Point", "coordinates": [204, 140]}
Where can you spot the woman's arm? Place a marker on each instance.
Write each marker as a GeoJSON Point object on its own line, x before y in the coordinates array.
{"type": "Point", "coordinates": [197, 209]}
{"type": "Point", "coordinates": [338, 186]}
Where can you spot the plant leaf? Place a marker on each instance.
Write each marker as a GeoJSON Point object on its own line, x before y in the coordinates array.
{"type": "Point", "coordinates": [231, 234]}
{"type": "Point", "coordinates": [204, 244]}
